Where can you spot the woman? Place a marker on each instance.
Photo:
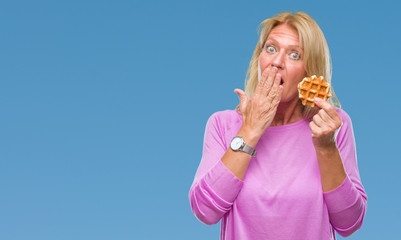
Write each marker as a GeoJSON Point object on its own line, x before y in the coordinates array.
{"type": "Point", "coordinates": [274, 169]}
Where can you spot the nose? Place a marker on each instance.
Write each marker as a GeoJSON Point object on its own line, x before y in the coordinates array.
{"type": "Point", "coordinates": [278, 60]}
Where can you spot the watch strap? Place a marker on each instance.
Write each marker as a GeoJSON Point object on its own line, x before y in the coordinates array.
{"type": "Point", "coordinates": [249, 149]}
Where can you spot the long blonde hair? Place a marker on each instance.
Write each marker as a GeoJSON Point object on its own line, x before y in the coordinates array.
{"type": "Point", "coordinates": [316, 56]}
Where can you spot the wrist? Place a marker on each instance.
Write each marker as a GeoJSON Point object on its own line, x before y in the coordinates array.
{"type": "Point", "coordinates": [327, 149]}
{"type": "Point", "coordinates": [250, 138]}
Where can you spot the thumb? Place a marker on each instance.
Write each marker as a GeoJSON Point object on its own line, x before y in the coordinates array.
{"type": "Point", "coordinates": [243, 99]}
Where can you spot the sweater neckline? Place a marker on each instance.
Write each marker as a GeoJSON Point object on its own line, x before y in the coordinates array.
{"type": "Point", "coordinates": [285, 127]}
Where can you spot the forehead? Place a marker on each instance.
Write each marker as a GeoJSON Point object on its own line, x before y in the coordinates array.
{"type": "Point", "coordinates": [284, 35]}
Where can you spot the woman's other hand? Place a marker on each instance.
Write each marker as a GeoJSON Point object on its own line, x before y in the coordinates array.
{"type": "Point", "coordinates": [324, 125]}
{"type": "Point", "coordinates": [259, 111]}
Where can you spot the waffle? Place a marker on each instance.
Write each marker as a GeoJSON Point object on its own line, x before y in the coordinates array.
{"type": "Point", "coordinates": [311, 87]}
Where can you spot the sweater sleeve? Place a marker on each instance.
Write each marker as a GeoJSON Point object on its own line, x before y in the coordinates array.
{"type": "Point", "coordinates": [347, 203]}
{"type": "Point", "coordinates": [215, 188]}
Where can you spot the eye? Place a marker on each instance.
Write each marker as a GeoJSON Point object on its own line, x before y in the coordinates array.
{"type": "Point", "coordinates": [270, 49]}
{"type": "Point", "coordinates": [295, 55]}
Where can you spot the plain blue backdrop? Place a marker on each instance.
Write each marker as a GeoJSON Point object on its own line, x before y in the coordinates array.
{"type": "Point", "coordinates": [104, 104]}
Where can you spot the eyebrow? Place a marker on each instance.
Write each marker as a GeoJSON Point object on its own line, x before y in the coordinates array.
{"type": "Point", "coordinates": [276, 42]}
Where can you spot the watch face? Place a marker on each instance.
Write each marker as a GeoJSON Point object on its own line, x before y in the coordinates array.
{"type": "Point", "coordinates": [236, 143]}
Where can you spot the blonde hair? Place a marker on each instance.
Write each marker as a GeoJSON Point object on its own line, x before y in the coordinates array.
{"type": "Point", "coordinates": [316, 54]}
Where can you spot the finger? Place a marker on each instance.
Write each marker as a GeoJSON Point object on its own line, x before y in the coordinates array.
{"type": "Point", "coordinates": [270, 80]}
{"type": "Point", "coordinates": [267, 86]}
{"type": "Point", "coordinates": [243, 98]}
{"type": "Point", "coordinates": [276, 84]}
{"type": "Point", "coordinates": [318, 102]}
{"type": "Point", "coordinates": [314, 128]}
{"type": "Point", "coordinates": [323, 104]}
{"type": "Point", "coordinates": [330, 110]}
{"type": "Point", "coordinates": [318, 120]}
{"type": "Point", "coordinates": [325, 116]}
{"type": "Point", "coordinates": [331, 124]}
{"type": "Point", "coordinates": [261, 85]}
{"type": "Point", "coordinates": [277, 97]}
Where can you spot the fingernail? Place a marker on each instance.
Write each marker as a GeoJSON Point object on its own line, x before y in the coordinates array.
{"type": "Point", "coordinates": [274, 69]}
{"type": "Point", "coordinates": [317, 99]}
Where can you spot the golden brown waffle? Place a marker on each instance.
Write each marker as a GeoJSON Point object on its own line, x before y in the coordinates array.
{"type": "Point", "coordinates": [311, 87]}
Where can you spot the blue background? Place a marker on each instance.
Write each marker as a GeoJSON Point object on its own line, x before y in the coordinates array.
{"type": "Point", "coordinates": [104, 104]}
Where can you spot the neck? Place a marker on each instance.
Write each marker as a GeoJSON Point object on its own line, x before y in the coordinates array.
{"type": "Point", "coordinates": [287, 112]}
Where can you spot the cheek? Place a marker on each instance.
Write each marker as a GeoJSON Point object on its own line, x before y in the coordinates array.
{"type": "Point", "coordinates": [264, 62]}
{"type": "Point", "coordinates": [299, 73]}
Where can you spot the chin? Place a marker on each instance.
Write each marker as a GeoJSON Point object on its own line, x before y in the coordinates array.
{"type": "Point", "coordinates": [287, 99]}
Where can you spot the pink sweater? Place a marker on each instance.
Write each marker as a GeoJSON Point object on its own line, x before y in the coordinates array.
{"type": "Point", "coordinates": [281, 195]}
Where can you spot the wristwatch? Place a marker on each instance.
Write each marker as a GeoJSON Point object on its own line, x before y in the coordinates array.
{"type": "Point", "coordinates": [238, 144]}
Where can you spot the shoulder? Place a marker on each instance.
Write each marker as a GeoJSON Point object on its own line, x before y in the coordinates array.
{"type": "Point", "coordinates": [225, 119]}
{"type": "Point", "coordinates": [346, 119]}
{"type": "Point", "coordinates": [346, 130]}
{"type": "Point", "coordinates": [225, 116]}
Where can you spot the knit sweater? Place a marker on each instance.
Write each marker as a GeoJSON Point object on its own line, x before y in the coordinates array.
{"type": "Point", "coordinates": [281, 195]}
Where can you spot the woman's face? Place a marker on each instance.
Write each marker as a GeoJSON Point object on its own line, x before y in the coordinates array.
{"type": "Point", "coordinates": [282, 50]}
